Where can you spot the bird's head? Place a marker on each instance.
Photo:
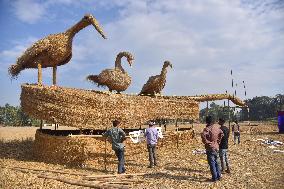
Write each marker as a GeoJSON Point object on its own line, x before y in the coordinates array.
{"type": "Point", "coordinates": [130, 59]}
{"type": "Point", "coordinates": [90, 19]}
{"type": "Point", "coordinates": [128, 55]}
{"type": "Point", "coordinates": [167, 63]}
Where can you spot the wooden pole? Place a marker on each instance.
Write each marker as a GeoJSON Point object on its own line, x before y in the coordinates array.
{"type": "Point", "coordinates": [41, 123]}
{"type": "Point", "coordinates": [105, 158]}
{"type": "Point", "coordinates": [39, 74]}
{"type": "Point", "coordinates": [54, 75]}
{"type": "Point", "coordinates": [229, 114]}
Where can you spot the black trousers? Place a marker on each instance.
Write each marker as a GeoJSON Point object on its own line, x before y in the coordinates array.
{"type": "Point", "coordinates": [152, 154]}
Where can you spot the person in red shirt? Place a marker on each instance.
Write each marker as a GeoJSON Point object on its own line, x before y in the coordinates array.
{"type": "Point", "coordinates": [211, 137]}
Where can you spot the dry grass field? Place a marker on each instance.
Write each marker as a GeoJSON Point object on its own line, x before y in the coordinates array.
{"type": "Point", "coordinates": [254, 165]}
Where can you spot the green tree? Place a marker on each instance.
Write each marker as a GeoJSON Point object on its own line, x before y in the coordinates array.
{"type": "Point", "coordinates": [263, 108]}
{"type": "Point", "coordinates": [217, 112]}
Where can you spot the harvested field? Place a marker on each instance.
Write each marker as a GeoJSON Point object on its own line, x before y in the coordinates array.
{"type": "Point", "coordinates": [254, 165]}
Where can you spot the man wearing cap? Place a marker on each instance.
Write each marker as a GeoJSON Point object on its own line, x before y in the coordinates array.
{"type": "Point", "coordinates": [151, 135]}
{"type": "Point", "coordinates": [117, 136]}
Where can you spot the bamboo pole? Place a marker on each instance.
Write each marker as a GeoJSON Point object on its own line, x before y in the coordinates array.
{"type": "Point", "coordinates": [41, 124]}
{"type": "Point", "coordinates": [27, 170]}
{"type": "Point", "coordinates": [105, 158]}
{"type": "Point", "coordinates": [54, 75]}
{"type": "Point", "coordinates": [39, 74]}
{"type": "Point", "coordinates": [116, 175]}
{"type": "Point", "coordinates": [82, 182]}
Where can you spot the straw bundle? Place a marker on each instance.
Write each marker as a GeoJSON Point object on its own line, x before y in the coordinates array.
{"type": "Point", "coordinates": [92, 109]}
{"type": "Point", "coordinates": [80, 150]}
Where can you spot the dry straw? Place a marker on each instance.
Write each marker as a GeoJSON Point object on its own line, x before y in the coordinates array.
{"type": "Point", "coordinates": [84, 150]}
{"type": "Point", "coordinates": [155, 84]}
{"type": "Point", "coordinates": [53, 50]}
{"type": "Point", "coordinates": [117, 78]}
{"type": "Point", "coordinates": [93, 109]}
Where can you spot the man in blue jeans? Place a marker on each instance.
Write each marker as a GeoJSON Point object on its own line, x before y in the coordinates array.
{"type": "Point", "coordinates": [151, 135]}
{"type": "Point", "coordinates": [117, 136]}
{"type": "Point", "coordinates": [223, 147]}
{"type": "Point", "coordinates": [211, 137]}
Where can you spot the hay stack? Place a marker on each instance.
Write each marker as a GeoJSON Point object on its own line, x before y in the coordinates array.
{"type": "Point", "coordinates": [81, 150]}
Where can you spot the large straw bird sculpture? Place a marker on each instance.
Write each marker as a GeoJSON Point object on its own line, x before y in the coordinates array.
{"type": "Point", "coordinates": [155, 84]}
{"type": "Point", "coordinates": [53, 50]}
{"type": "Point", "coordinates": [115, 79]}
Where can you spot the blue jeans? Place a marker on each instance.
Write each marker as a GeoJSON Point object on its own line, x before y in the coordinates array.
{"type": "Point", "coordinates": [120, 156]}
{"type": "Point", "coordinates": [213, 161]}
{"type": "Point", "coordinates": [224, 158]}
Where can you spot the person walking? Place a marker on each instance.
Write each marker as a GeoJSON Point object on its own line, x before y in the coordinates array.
{"type": "Point", "coordinates": [117, 136]}
{"type": "Point", "coordinates": [236, 132]}
{"type": "Point", "coordinates": [223, 147]}
{"type": "Point", "coordinates": [151, 135]}
{"type": "Point", "coordinates": [211, 137]}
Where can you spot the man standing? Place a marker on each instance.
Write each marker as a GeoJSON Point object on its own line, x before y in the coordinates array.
{"type": "Point", "coordinates": [223, 152]}
{"type": "Point", "coordinates": [236, 132]}
{"type": "Point", "coordinates": [151, 135]}
{"type": "Point", "coordinates": [211, 137]}
{"type": "Point", "coordinates": [117, 136]}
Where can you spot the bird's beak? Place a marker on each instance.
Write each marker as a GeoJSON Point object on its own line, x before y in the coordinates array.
{"type": "Point", "coordinates": [171, 65]}
{"type": "Point", "coordinates": [130, 62]}
{"type": "Point", "coordinates": [95, 23]}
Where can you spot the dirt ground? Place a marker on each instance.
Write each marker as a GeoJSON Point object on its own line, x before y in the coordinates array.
{"type": "Point", "coordinates": [253, 164]}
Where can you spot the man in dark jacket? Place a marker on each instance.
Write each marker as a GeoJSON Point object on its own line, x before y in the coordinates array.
{"type": "Point", "coordinates": [211, 137]}
{"type": "Point", "coordinates": [117, 136]}
{"type": "Point", "coordinates": [223, 147]}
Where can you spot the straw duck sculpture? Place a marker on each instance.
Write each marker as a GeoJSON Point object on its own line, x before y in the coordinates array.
{"type": "Point", "coordinates": [155, 84]}
{"type": "Point", "coordinates": [115, 79]}
{"type": "Point", "coordinates": [53, 50]}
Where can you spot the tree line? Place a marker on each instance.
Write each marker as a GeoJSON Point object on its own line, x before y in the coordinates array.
{"type": "Point", "coordinates": [14, 116]}
{"type": "Point", "coordinates": [261, 108]}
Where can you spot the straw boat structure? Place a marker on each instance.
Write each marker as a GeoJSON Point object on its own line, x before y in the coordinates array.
{"type": "Point", "coordinates": [96, 110]}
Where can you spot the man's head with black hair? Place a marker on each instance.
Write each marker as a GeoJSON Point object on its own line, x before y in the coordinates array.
{"type": "Point", "coordinates": [209, 120]}
{"type": "Point", "coordinates": [115, 123]}
{"type": "Point", "coordinates": [221, 121]}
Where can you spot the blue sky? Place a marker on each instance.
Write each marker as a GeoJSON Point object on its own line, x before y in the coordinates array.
{"type": "Point", "coordinates": [204, 40]}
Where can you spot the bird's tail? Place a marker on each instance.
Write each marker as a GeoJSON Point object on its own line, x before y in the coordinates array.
{"type": "Point", "coordinates": [14, 70]}
{"type": "Point", "coordinates": [94, 79]}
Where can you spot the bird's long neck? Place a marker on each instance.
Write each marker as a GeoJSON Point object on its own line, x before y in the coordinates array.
{"type": "Point", "coordinates": [164, 73]}
{"type": "Point", "coordinates": [77, 27]}
{"type": "Point", "coordinates": [118, 62]}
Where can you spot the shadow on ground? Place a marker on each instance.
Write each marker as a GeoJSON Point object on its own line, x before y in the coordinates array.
{"type": "Point", "coordinates": [17, 149]}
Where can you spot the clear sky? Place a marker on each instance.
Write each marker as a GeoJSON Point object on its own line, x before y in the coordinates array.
{"type": "Point", "coordinates": [204, 40]}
